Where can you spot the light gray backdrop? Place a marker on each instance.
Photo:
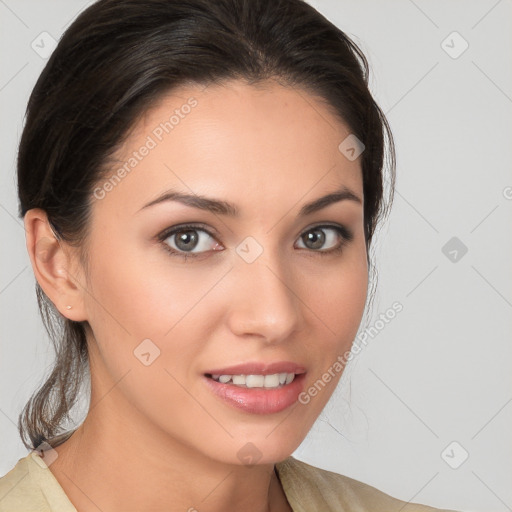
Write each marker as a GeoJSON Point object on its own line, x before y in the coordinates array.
{"type": "Point", "coordinates": [424, 411]}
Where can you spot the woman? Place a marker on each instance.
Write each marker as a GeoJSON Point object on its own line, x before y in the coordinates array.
{"type": "Point", "coordinates": [200, 183]}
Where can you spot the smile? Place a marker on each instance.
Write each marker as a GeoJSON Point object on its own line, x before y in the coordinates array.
{"type": "Point", "coordinates": [273, 381]}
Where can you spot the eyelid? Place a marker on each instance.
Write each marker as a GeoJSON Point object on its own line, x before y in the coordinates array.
{"type": "Point", "coordinates": [342, 230]}
{"type": "Point", "coordinates": [166, 233]}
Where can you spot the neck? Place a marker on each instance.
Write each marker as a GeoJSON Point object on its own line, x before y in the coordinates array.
{"type": "Point", "coordinates": [148, 470]}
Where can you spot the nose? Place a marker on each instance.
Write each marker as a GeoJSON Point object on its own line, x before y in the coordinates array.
{"type": "Point", "coordinates": [265, 300]}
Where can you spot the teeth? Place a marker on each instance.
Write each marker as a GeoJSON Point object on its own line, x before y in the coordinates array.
{"type": "Point", "coordinates": [238, 379]}
{"type": "Point", "coordinates": [256, 381]}
{"type": "Point", "coordinates": [271, 381]}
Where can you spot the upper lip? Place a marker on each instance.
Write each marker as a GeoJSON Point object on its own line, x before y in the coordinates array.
{"type": "Point", "coordinates": [257, 368]}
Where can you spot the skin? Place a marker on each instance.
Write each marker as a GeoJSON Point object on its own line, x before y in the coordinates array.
{"type": "Point", "coordinates": [173, 444]}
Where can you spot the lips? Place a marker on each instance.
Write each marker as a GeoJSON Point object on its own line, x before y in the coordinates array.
{"type": "Point", "coordinates": [257, 400]}
{"type": "Point", "coordinates": [257, 368]}
{"type": "Point", "coordinates": [258, 387]}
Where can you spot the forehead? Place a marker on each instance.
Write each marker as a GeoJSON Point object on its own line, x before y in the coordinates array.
{"type": "Point", "coordinates": [249, 144]}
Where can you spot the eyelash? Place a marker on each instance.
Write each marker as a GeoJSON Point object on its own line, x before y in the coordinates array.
{"type": "Point", "coordinates": [345, 234]}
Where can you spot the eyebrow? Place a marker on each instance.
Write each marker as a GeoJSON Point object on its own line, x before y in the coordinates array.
{"type": "Point", "coordinates": [225, 208]}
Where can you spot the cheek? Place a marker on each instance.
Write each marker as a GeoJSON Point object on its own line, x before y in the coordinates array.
{"type": "Point", "coordinates": [142, 296]}
{"type": "Point", "coordinates": [139, 297]}
{"type": "Point", "coordinates": [140, 315]}
{"type": "Point", "coordinates": [338, 298]}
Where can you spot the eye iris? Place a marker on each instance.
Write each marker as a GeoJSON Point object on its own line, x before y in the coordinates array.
{"type": "Point", "coordinates": [316, 236]}
{"type": "Point", "coordinates": [187, 239]}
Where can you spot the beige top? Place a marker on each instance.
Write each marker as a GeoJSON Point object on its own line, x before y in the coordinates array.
{"type": "Point", "coordinates": [30, 486]}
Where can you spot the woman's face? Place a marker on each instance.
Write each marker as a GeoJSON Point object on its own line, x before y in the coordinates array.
{"type": "Point", "coordinates": [267, 286]}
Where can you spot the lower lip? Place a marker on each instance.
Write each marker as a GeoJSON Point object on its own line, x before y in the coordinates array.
{"type": "Point", "coordinates": [258, 400]}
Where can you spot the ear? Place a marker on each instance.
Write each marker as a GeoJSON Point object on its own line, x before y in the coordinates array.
{"type": "Point", "coordinates": [55, 266]}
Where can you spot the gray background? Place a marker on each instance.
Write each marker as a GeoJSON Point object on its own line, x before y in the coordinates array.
{"type": "Point", "coordinates": [439, 372]}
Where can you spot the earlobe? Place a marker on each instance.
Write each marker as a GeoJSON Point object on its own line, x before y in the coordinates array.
{"type": "Point", "coordinates": [52, 262]}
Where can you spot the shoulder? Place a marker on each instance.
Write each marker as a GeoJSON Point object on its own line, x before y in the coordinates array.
{"type": "Point", "coordinates": [30, 487]}
{"type": "Point", "coordinates": [311, 489]}
{"type": "Point", "coordinates": [17, 490]}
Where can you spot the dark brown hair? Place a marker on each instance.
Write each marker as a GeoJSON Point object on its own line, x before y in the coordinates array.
{"type": "Point", "coordinates": [115, 61]}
